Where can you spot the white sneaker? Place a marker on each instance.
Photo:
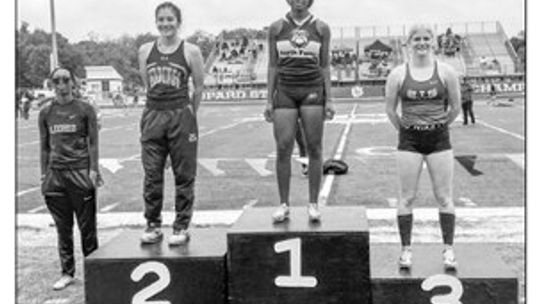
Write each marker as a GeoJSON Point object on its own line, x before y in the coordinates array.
{"type": "Point", "coordinates": [63, 282]}
{"type": "Point", "coordinates": [449, 259]}
{"type": "Point", "coordinates": [405, 259]}
{"type": "Point", "coordinates": [151, 235]}
{"type": "Point", "coordinates": [281, 213]}
{"type": "Point", "coordinates": [178, 237]}
{"type": "Point", "coordinates": [305, 170]}
{"type": "Point", "coordinates": [313, 212]}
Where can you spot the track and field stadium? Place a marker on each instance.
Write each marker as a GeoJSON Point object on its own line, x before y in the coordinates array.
{"type": "Point", "coordinates": [236, 171]}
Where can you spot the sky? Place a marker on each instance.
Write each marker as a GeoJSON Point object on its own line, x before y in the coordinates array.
{"type": "Point", "coordinates": [75, 19]}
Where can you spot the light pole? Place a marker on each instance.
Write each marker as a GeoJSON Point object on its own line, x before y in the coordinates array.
{"type": "Point", "coordinates": [54, 57]}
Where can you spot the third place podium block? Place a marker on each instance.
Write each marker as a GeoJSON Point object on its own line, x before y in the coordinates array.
{"type": "Point", "coordinates": [481, 276]}
{"type": "Point", "coordinates": [125, 272]}
{"type": "Point", "coordinates": [297, 261]}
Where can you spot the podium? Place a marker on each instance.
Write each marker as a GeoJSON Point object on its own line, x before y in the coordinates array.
{"type": "Point", "coordinates": [257, 261]}
{"type": "Point", "coordinates": [124, 271]}
{"type": "Point", "coordinates": [297, 261]}
{"type": "Point", "coordinates": [481, 276]}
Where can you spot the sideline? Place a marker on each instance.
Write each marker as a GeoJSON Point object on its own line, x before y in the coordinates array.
{"type": "Point", "coordinates": [326, 188]}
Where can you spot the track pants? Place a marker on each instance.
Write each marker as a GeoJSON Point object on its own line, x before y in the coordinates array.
{"type": "Point", "coordinates": [171, 132]}
{"type": "Point", "coordinates": [467, 107]}
{"type": "Point", "coordinates": [69, 192]}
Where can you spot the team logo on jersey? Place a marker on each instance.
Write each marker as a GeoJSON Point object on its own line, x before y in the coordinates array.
{"type": "Point", "coordinates": [172, 75]}
{"type": "Point", "coordinates": [63, 128]}
{"type": "Point", "coordinates": [192, 137]}
{"type": "Point", "coordinates": [422, 94]}
{"type": "Point", "coordinates": [299, 38]}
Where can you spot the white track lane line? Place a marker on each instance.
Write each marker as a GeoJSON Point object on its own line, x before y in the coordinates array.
{"type": "Point", "coordinates": [498, 224]}
{"type": "Point", "coordinates": [109, 207]}
{"type": "Point", "coordinates": [518, 136]}
{"type": "Point", "coordinates": [329, 180]}
{"type": "Point", "coordinates": [30, 190]}
{"type": "Point", "coordinates": [37, 209]}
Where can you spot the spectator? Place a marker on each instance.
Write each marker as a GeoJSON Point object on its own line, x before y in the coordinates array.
{"type": "Point", "coordinates": [467, 101]}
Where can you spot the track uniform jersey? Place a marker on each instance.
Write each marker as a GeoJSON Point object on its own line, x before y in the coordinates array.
{"type": "Point", "coordinates": [168, 76]}
{"type": "Point", "coordinates": [66, 186]}
{"type": "Point", "coordinates": [168, 127]}
{"type": "Point", "coordinates": [67, 127]}
{"type": "Point", "coordinates": [423, 116]}
{"type": "Point", "coordinates": [299, 74]}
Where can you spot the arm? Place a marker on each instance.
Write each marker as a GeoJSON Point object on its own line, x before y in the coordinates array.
{"type": "Point", "coordinates": [196, 64]}
{"type": "Point", "coordinates": [451, 79]}
{"type": "Point", "coordinates": [93, 147]}
{"type": "Point", "coordinates": [144, 52]}
{"type": "Point", "coordinates": [391, 96]}
{"type": "Point", "coordinates": [44, 142]}
{"type": "Point", "coordinates": [325, 61]}
{"type": "Point", "coordinates": [272, 69]}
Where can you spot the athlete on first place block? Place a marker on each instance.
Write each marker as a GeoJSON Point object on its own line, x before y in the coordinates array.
{"type": "Point", "coordinates": [169, 122]}
{"type": "Point", "coordinates": [298, 88]}
{"type": "Point", "coordinates": [421, 85]}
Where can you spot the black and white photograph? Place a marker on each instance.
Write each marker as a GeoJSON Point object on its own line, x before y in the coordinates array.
{"type": "Point", "coordinates": [270, 151]}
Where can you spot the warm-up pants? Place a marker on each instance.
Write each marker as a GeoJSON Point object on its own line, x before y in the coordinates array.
{"type": "Point", "coordinates": [69, 192]}
{"type": "Point", "coordinates": [172, 132]}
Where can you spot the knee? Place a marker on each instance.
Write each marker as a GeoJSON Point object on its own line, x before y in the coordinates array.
{"type": "Point", "coordinates": [406, 202]}
{"type": "Point", "coordinates": [446, 204]}
{"type": "Point", "coordinates": [284, 150]}
{"type": "Point", "coordinates": [314, 151]}
{"type": "Point", "coordinates": [184, 181]}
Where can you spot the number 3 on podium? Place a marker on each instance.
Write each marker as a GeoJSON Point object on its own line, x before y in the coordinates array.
{"type": "Point", "coordinates": [295, 279]}
{"type": "Point", "coordinates": [456, 289]}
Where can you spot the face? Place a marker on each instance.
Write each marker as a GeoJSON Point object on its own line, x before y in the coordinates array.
{"type": "Point", "coordinates": [62, 82]}
{"type": "Point", "coordinates": [421, 42]}
{"type": "Point", "coordinates": [166, 22]}
{"type": "Point", "coordinates": [299, 4]}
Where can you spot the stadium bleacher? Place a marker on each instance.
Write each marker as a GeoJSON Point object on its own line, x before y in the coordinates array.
{"type": "Point", "coordinates": [483, 50]}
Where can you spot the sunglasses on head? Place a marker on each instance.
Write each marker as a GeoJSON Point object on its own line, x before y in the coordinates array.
{"type": "Point", "coordinates": [64, 80]}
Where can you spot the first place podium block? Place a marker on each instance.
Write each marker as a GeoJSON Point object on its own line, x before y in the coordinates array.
{"type": "Point", "coordinates": [126, 272]}
{"type": "Point", "coordinates": [297, 261]}
{"type": "Point", "coordinates": [481, 276]}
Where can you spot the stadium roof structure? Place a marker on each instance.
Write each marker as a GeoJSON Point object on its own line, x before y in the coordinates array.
{"type": "Point", "coordinates": [101, 72]}
{"type": "Point", "coordinates": [378, 46]}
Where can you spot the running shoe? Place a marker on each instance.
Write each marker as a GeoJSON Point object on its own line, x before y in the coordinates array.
{"type": "Point", "coordinates": [281, 213]}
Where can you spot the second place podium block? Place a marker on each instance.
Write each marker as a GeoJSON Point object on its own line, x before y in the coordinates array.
{"type": "Point", "coordinates": [297, 261]}
{"type": "Point", "coordinates": [124, 271]}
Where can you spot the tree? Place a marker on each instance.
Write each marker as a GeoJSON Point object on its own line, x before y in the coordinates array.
{"type": "Point", "coordinates": [204, 40]}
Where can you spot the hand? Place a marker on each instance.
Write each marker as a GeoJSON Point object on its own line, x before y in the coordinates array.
{"type": "Point", "coordinates": [269, 112]}
{"type": "Point", "coordinates": [96, 179]}
{"type": "Point", "coordinates": [329, 110]}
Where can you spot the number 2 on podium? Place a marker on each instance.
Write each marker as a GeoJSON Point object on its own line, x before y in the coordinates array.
{"type": "Point", "coordinates": [164, 278]}
{"type": "Point", "coordinates": [296, 279]}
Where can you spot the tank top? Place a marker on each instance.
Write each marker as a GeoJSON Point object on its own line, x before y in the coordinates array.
{"type": "Point", "coordinates": [298, 48]}
{"type": "Point", "coordinates": [168, 76]}
{"type": "Point", "coordinates": [422, 102]}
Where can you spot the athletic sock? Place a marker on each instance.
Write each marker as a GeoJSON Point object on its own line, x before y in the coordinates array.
{"type": "Point", "coordinates": [448, 224]}
{"type": "Point", "coordinates": [405, 228]}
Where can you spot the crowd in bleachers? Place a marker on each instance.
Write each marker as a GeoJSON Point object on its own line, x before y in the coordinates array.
{"type": "Point", "coordinates": [449, 43]}
{"type": "Point", "coordinates": [489, 63]}
{"type": "Point", "coordinates": [235, 61]}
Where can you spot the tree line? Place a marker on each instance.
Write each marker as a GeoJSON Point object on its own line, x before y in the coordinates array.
{"type": "Point", "coordinates": [34, 49]}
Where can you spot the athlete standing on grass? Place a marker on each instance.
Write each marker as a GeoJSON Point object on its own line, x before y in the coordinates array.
{"type": "Point", "coordinates": [169, 122]}
{"type": "Point", "coordinates": [69, 169]}
{"type": "Point", "coordinates": [299, 76]}
{"type": "Point", "coordinates": [421, 85]}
